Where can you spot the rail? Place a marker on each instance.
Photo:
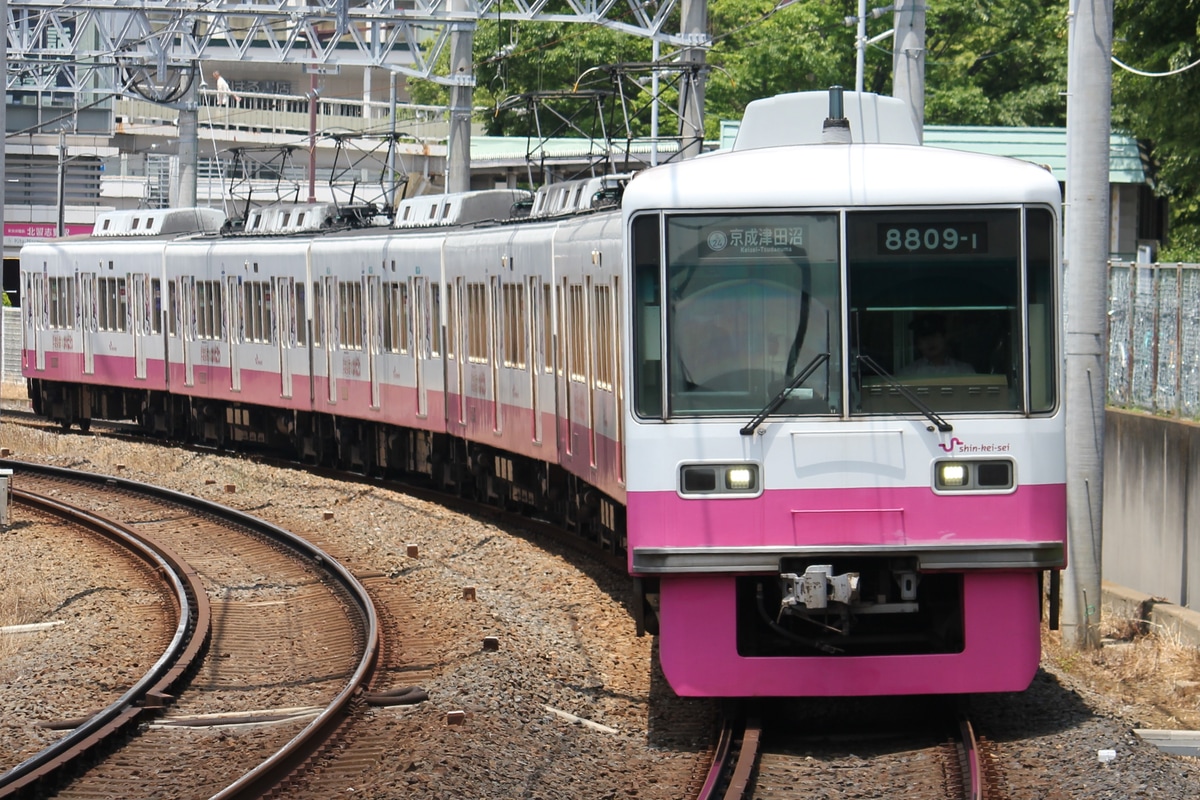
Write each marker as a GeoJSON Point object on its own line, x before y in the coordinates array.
{"type": "Point", "coordinates": [186, 647]}
{"type": "Point", "coordinates": [307, 742]}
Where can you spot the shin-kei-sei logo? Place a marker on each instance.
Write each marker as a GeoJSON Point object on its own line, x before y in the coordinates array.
{"type": "Point", "coordinates": [957, 445]}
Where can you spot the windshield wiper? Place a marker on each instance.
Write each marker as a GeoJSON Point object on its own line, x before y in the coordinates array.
{"type": "Point", "coordinates": [778, 400]}
{"type": "Point", "coordinates": [909, 395]}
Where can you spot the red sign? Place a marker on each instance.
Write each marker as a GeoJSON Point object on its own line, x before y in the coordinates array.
{"type": "Point", "coordinates": [18, 233]}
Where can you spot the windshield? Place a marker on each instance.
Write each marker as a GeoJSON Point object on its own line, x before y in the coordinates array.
{"type": "Point", "coordinates": [751, 301]}
{"type": "Point", "coordinates": [948, 310]}
{"type": "Point", "coordinates": [935, 308]}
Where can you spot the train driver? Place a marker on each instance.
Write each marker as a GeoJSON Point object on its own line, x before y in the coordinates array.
{"type": "Point", "coordinates": [929, 335]}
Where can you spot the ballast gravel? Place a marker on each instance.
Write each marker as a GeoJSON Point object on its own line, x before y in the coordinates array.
{"type": "Point", "coordinates": [563, 700]}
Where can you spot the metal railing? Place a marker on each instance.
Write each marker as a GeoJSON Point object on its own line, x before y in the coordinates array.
{"type": "Point", "coordinates": [290, 115]}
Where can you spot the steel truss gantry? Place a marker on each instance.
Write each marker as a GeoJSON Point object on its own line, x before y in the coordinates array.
{"type": "Point", "coordinates": [73, 46]}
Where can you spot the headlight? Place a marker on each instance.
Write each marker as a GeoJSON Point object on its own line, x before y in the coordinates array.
{"type": "Point", "coordinates": [977, 476]}
{"type": "Point", "coordinates": [718, 479]}
{"type": "Point", "coordinates": [739, 479]}
{"type": "Point", "coordinates": [952, 474]}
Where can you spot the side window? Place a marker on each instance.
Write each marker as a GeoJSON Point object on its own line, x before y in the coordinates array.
{"type": "Point", "coordinates": [155, 305]}
{"type": "Point", "coordinates": [1040, 266]}
{"type": "Point", "coordinates": [318, 317]}
{"type": "Point", "coordinates": [603, 326]}
{"type": "Point", "coordinates": [301, 316]}
{"type": "Point", "coordinates": [647, 317]}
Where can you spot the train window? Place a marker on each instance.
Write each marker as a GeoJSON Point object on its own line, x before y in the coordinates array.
{"type": "Point", "coordinates": [935, 308]}
{"type": "Point", "coordinates": [478, 323]}
{"type": "Point", "coordinates": [435, 317]}
{"type": "Point", "coordinates": [258, 320]}
{"type": "Point", "coordinates": [577, 345]}
{"type": "Point", "coordinates": [62, 303]}
{"type": "Point", "coordinates": [300, 313]}
{"type": "Point", "coordinates": [1040, 260]}
{"type": "Point", "coordinates": [548, 326]}
{"type": "Point", "coordinates": [172, 309]}
{"type": "Point", "coordinates": [561, 321]}
{"type": "Point", "coordinates": [451, 322]}
{"type": "Point", "coordinates": [318, 317]}
{"type": "Point", "coordinates": [754, 304]}
{"type": "Point", "coordinates": [155, 305]}
{"type": "Point", "coordinates": [604, 336]}
{"type": "Point", "coordinates": [515, 325]}
{"type": "Point", "coordinates": [395, 317]}
{"type": "Point", "coordinates": [647, 316]}
{"type": "Point", "coordinates": [112, 304]}
{"type": "Point", "coordinates": [350, 316]}
{"type": "Point", "coordinates": [209, 311]}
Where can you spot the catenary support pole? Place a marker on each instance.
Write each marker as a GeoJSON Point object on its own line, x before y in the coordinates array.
{"type": "Point", "coordinates": [1089, 116]}
{"type": "Point", "coordinates": [693, 25]}
{"type": "Point", "coordinates": [908, 59]}
{"type": "Point", "coordinates": [462, 97]}
{"type": "Point", "coordinates": [184, 189]}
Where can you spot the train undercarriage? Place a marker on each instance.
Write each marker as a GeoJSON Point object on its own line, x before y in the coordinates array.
{"type": "Point", "coordinates": [449, 463]}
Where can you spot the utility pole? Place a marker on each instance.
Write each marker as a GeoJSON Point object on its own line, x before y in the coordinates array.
{"type": "Point", "coordinates": [908, 60]}
{"type": "Point", "coordinates": [462, 98]}
{"type": "Point", "coordinates": [693, 28]}
{"type": "Point", "coordinates": [1089, 118]}
{"type": "Point", "coordinates": [60, 228]}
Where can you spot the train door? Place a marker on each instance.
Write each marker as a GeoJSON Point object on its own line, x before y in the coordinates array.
{"type": "Point", "coordinates": [234, 314]}
{"type": "Point", "coordinates": [591, 350]}
{"type": "Point", "coordinates": [496, 346]}
{"type": "Point", "coordinates": [285, 330]}
{"type": "Point", "coordinates": [421, 347]}
{"type": "Point", "coordinates": [460, 345]}
{"type": "Point", "coordinates": [332, 340]}
{"type": "Point", "coordinates": [537, 354]}
{"type": "Point", "coordinates": [31, 340]}
{"type": "Point", "coordinates": [140, 310]}
{"type": "Point", "coordinates": [374, 335]}
{"type": "Point", "coordinates": [187, 308]}
{"type": "Point", "coordinates": [87, 324]}
{"type": "Point", "coordinates": [563, 379]}
{"type": "Point", "coordinates": [614, 345]}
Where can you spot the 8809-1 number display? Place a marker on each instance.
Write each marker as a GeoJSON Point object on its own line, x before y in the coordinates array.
{"type": "Point", "coordinates": [932, 238]}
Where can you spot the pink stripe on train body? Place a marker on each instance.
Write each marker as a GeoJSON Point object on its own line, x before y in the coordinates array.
{"type": "Point", "coordinates": [863, 516]}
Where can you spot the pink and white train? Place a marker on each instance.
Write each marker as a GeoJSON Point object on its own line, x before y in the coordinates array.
{"type": "Point", "coordinates": [810, 386]}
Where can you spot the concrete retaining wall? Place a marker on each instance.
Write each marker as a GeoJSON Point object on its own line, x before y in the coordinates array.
{"type": "Point", "coordinates": [1152, 506]}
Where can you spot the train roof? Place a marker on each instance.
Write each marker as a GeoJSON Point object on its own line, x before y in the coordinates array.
{"type": "Point", "coordinates": [833, 175]}
{"type": "Point", "coordinates": [799, 118]}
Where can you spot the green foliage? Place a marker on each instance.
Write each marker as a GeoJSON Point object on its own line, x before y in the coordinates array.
{"type": "Point", "coordinates": [7, 302]}
{"type": "Point", "coordinates": [1160, 36]}
{"type": "Point", "coordinates": [989, 62]}
{"type": "Point", "coordinates": [993, 62]}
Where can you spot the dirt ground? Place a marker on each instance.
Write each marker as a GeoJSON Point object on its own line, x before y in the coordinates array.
{"type": "Point", "coordinates": [1144, 673]}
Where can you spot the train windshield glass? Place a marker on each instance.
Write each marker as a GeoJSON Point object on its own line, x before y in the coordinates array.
{"type": "Point", "coordinates": [751, 300]}
{"type": "Point", "coordinates": [935, 308]}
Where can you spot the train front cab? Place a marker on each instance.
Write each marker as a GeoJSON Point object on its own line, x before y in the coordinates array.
{"type": "Point", "coordinates": [811, 513]}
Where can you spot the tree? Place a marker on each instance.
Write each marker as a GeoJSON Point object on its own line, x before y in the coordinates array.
{"type": "Point", "coordinates": [995, 62]}
{"type": "Point", "coordinates": [989, 62]}
{"type": "Point", "coordinates": [1159, 36]}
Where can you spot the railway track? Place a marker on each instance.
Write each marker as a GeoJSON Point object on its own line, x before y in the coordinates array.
{"type": "Point", "coordinates": [870, 759]}
{"type": "Point", "coordinates": [274, 647]}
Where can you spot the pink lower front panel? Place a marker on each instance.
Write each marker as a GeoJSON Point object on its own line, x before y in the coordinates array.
{"type": "Point", "coordinates": [698, 647]}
